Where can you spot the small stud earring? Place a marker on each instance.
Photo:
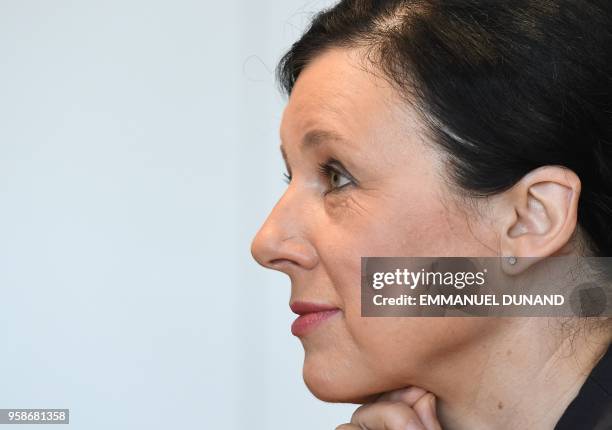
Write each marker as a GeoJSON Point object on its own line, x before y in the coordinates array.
{"type": "Point", "coordinates": [512, 261]}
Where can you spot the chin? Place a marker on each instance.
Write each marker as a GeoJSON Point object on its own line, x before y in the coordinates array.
{"type": "Point", "coordinates": [335, 384]}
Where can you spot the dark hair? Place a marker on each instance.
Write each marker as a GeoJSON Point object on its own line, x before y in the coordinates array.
{"type": "Point", "coordinates": [505, 86]}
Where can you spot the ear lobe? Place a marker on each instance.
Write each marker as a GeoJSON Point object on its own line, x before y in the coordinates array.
{"type": "Point", "coordinates": [545, 204]}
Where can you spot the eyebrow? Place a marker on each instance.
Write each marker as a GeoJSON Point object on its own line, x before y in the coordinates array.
{"type": "Point", "coordinates": [314, 138]}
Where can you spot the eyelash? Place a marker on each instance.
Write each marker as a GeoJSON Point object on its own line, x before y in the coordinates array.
{"type": "Point", "coordinates": [327, 169]}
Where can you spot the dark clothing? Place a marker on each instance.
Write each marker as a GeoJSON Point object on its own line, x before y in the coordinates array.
{"type": "Point", "coordinates": [592, 407]}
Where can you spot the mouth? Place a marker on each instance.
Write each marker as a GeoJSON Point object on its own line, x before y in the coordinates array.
{"type": "Point", "coordinates": [311, 315]}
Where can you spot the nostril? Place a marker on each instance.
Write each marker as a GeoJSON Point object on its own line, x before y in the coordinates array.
{"type": "Point", "coordinates": [280, 263]}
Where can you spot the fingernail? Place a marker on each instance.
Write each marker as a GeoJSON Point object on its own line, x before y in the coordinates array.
{"type": "Point", "coordinates": [432, 404]}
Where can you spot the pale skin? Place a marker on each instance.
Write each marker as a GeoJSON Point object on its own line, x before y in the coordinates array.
{"type": "Point", "coordinates": [389, 196]}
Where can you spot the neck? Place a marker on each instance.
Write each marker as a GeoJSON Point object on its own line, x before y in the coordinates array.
{"type": "Point", "coordinates": [526, 378]}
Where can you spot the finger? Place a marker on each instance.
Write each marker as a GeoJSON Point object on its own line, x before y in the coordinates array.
{"type": "Point", "coordinates": [387, 415]}
{"type": "Point", "coordinates": [425, 409]}
{"type": "Point", "coordinates": [408, 395]}
{"type": "Point", "coordinates": [347, 427]}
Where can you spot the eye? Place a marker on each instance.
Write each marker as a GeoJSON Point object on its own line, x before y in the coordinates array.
{"type": "Point", "coordinates": [337, 179]}
{"type": "Point", "coordinates": [337, 176]}
{"type": "Point", "coordinates": [286, 178]}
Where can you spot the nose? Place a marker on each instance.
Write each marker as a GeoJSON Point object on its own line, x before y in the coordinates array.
{"type": "Point", "coordinates": [282, 242]}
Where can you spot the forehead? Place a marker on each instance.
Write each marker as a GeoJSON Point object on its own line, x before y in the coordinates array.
{"type": "Point", "coordinates": [340, 89]}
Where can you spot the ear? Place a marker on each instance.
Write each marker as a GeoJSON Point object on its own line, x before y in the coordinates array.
{"type": "Point", "coordinates": [539, 216]}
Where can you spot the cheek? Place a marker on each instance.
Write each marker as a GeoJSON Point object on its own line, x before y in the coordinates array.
{"type": "Point", "coordinates": [384, 232]}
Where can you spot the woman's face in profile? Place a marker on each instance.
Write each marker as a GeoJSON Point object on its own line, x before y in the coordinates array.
{"type": "Point", "coordinates": [365, 183]}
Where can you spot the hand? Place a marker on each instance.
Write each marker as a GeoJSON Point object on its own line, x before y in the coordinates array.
{"type": "Point", "coordinates": [410, 408]}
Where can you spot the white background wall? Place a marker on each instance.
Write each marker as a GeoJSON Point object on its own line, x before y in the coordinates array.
{"type": "Point", "coordinates": [138, 157]}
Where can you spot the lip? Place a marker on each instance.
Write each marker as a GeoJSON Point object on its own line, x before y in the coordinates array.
{"type": "Point", "coordinates": [311, 315]}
